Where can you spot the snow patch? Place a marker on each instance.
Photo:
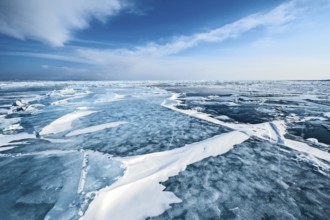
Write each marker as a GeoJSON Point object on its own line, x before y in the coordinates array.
{"type": "Point", "coordinates": [64, 123]}
{"type": "Point", "coordinates": [302, 147]}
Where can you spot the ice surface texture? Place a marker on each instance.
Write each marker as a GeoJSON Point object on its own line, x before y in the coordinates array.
{"type": "Point", "coordinates": [71, 150]}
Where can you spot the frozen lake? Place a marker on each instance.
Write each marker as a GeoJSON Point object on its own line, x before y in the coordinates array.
{"type": "Point", "coordinates": [165, 150]}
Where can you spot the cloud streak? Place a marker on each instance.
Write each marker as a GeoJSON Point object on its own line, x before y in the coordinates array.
{"type": "Point", "coordinates": [156, 61]}
{"type": "Point", "coordinates": [52, 22]}
{"type": "Point", "coordinates": [281, 15]}
{"type": "Point", "coordinates": [153, 55]}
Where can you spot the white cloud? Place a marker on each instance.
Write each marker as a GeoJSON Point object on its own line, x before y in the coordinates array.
{"type": "Point", "coordinates": [154, 60]}
{"type": "Point", "coordinates": [256, 61]}
{"type": "Point", "coordinates": [279, 16]}
{"type": "Point", "coordinates": [52, 21]}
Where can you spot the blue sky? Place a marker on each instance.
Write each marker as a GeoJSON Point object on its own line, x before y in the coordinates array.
{"type": "Point", "coordinates": [164, 39]}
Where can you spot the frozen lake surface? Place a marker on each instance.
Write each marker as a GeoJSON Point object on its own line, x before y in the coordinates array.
{"type": "Point", "coordinates": [165, 150]}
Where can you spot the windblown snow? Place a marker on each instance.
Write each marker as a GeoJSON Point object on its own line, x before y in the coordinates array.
{"type": "Point", "coordinates": [64, 123]}
{"type": "Point", "coordinates": [138, 194]}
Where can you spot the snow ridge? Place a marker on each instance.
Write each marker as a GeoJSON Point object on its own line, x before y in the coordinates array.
{"type": "Point", "coordinates": [138, 194]}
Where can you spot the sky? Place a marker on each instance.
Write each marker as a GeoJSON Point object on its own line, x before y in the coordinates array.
{"type": "Point", "coordinates": [164, 39]}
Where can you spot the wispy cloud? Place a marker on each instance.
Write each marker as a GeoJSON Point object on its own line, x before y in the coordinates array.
{"type": "Point", "coordinates": [152, 57]}
{"type": "Point", "coordinates": [155, 61]}
{"type": "Point", "coordinates": [81, 12]}
{"type": "Point", "coordinates": [52, 22]}
{"type": "Point", "coordinates": [276, 17]}
{"type": "Point", "coordinates": [153, 54]}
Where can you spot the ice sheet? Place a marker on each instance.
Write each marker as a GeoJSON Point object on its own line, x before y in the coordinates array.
{"type": "Point", "coordinates": [272, 131]}
{"type": "Point", "coordinates": [95, 128]}
{"type": "Point", "coordinates": [97, 170]}
{"type": "Point", "coordinates": [139, 194]}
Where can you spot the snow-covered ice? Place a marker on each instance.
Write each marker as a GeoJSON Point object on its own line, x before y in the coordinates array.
{"type": "Point", "coordinates": [165, 150]}
{"type": "Point", "coordinates": [64, 123]}
{"type": "Point", "coordinates": [143, 175]}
